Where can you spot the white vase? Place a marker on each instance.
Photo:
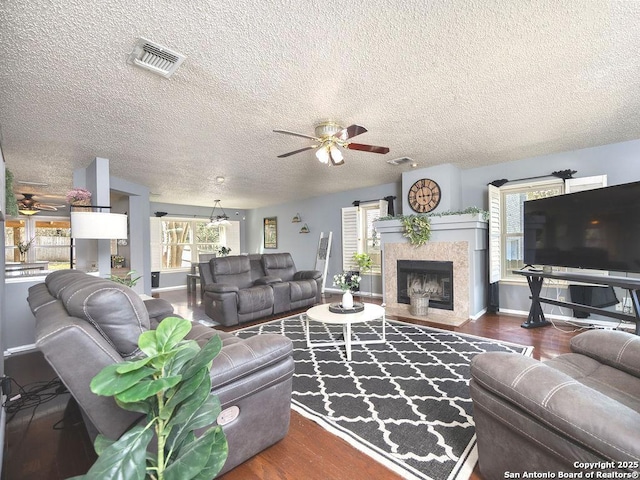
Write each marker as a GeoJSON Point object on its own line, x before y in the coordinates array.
{"type": "Point", "coordinates": [347, 299]}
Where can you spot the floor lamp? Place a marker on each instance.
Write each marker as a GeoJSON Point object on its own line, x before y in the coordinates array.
{"type": "Point", "coordinates": [97, 225]}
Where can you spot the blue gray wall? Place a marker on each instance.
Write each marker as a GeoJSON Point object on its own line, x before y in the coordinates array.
{"type": "Point", "coordinates": [321, 214]}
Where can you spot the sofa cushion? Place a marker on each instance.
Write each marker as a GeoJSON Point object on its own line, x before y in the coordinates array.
{"type": "Point", "coordinates": [255, 299]}
{"type": "Point", "coordinates": [116, 311]}
{"type": "Point", "coordinates": [234, 270]}
{"type": "Point", "coordinates": [303, 289]}
{"type": "Point", "coordinates": [279, 265]}
{"type": "Point", "coordinates": [60, 279]}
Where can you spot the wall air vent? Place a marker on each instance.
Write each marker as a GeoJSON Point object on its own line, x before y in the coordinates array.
{"type": "Point", "coordinates": [154, 57]}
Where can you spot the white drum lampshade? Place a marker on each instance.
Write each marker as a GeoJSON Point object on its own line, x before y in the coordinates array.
{"type": "Point", "coordinates": [98, 225]}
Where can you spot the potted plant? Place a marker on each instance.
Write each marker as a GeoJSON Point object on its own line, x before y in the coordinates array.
{"type": "Point", "coordinates": [170, 383]}
{"type": "Point", "coordinates": [224, 251]}
{"type": "Point", "coordinates": [129, 280]}
{"type": "Point", "coordinates": [23, 248]}
{"type": "Point", "coordinates": [346, 282]}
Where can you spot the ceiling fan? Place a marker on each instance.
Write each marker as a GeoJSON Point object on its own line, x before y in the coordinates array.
{"type": "Point", "coordinates": [29, 206]}
{"type": "Point", "coordinates": [328, 137]}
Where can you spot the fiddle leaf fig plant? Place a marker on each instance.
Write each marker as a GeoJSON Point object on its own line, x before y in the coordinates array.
{"type": "Point", "coordinates": [170, 383]}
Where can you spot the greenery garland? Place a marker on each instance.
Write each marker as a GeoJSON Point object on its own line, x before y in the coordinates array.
{"type": "Point", "coordinates": [418, 227]}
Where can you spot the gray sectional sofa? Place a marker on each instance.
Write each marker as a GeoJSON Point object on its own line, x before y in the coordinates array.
{"type": "Point", "coordinates": [243, 288]}
{"type": "Point", "coordinates": [84, 323]}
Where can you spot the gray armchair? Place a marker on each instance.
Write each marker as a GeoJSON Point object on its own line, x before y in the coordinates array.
{"type": "Point", "coordinates": [559, 415]}
{"type": "Point", "coordinates": [84, 323]}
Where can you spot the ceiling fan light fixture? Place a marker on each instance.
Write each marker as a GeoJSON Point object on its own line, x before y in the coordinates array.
{"type": "Point", "coordinates": [322, 154]}
{"type": "Point", "coordinates": [336, 155]}
{"type": "Point", "coordinates": [28, 211]}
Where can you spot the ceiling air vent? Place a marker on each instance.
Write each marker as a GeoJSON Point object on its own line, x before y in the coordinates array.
{"type": "Point", "coordinates": [154, 57]}
{"type": "Point", "coordinates": [400, 161]}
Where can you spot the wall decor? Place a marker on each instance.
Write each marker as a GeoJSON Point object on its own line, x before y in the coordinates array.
{"type": "Point", "coordinates": [271, 232]}
{"type": "Point", "coordinates": [296, 219]}
{"type": "Point", "coordinates": [304, 229]}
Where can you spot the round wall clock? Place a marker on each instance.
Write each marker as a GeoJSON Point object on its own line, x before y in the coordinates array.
{"type": "Point", "coordinates": [424, 195]}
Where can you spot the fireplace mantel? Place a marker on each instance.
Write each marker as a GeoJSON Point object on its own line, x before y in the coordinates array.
{"type": "Point", "coordinates": [458, 238]}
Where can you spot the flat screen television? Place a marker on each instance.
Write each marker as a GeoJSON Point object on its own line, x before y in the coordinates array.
{"type": "Point", "coordinates": [595, 229]}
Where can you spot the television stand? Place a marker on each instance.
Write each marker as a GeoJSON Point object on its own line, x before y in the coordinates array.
{"type": "Point", "coordinates": [535, 279]}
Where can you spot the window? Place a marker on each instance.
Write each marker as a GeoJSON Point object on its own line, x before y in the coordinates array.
{"type": "Point", "coordinates": [506, 216]}
{"type": "Point", "coordinates": [51, 240]}
{"type": "Point", "coordinates": [15, 232]}
{"type": "Point", "coordinates": [506, 229]}
{"type": "Point", "coordinates": [359, 235]}
{"type": "Point", "coordinates": [177, 242]}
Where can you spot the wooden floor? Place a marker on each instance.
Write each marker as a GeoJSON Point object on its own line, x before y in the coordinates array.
{"type": "Point", "coordinates": [54, 444]}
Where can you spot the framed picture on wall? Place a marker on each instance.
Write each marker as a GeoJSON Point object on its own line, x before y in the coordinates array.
{"type": "Point", "coordinates": [271, 232]}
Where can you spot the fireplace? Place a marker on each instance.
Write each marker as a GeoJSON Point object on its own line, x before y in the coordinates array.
{"type": "Point", "coordinates": [424, 276]}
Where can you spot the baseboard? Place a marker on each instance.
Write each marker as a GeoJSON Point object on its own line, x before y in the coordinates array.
{"type": "Point", "coordinates": [169, 289]}
{"type": "Point", "coordinates": [21, 349]}
{"type": "Point", "coordinates": [478, 315]}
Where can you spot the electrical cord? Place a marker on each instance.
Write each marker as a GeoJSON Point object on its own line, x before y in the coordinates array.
{"type": "Point", "coordinates": [31, 396]}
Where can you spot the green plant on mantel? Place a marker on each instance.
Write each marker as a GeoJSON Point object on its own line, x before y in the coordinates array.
{"type": "Point", "coordinates": [418, 227]}
{"type": "Point", "coordinates": [170, 383]}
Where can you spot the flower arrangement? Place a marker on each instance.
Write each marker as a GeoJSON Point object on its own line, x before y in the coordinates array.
{"type": "Point", "coordinates": [224, 251]}
{"type": "Point", "coordinates": [346, 281]}
{"type": "Point", "coordinates": [76, 195]}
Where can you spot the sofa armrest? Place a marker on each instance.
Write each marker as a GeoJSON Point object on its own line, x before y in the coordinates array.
{"type": "Point", "coordinates": [267, 280]}
{"type": "Point", "coordinates": [158, 308]}
{"type": "Point", "coordinates": [307, 275]}
{"type": "Point", "coordinates": [243, 358]}
{"type": "Point", "coordinates": [620, 350]}
{"type": "Point", "coordinates": [560, 402]}
{"type": "Point", "coordinates": [221, 288]}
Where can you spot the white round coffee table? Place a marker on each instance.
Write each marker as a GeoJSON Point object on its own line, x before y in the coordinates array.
{"type": "Point", "coordinates": [321, 313]}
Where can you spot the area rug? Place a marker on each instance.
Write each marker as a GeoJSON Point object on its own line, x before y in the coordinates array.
{"type": "Point", "coordinates": [406, 402]}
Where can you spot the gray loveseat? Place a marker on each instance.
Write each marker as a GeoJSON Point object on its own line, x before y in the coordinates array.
{"type": "Point", "coordinates": [243, 288]}
{"type": "Point", "coordinates": [578, 411]}
{"type": "Point", "coordinates": [84, 323]}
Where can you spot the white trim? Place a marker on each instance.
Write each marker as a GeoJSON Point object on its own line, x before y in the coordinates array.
{"type": "Point", "coordinates": [21, 349]}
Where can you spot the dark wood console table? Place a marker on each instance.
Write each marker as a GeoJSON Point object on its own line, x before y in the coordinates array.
{"type": "Point", "coordinates": [536, 278]}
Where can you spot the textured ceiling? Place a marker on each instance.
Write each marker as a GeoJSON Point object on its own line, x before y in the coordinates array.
{"type": "Point", "coordinates": [468, 82]}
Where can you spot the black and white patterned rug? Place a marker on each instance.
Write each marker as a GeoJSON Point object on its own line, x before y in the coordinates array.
{"type": "Point", "coordinates": [405, 403]}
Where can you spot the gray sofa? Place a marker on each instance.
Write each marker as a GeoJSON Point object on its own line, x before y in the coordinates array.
{"type": "Point", "coordinates": [243, 288]}
{"type": "Point", "coordinates": [84, 323]}
{"type": "Point", "coordinates": [559, 415]}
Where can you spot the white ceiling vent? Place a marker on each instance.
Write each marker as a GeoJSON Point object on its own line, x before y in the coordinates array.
{"type": "Point", "coordinates": [151, 56]}
{"type": "Point", "coordinates": [400, 161]}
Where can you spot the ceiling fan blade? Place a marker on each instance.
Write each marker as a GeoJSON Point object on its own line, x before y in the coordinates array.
{"type": "Point", "coordinates": [367, 148]}
{"type": "Point", "coordinates": [287, 132]}
{"type": "Point", "coordinates": [350, 132]}
{"type": "Point", "coordinates": [297, 151]}
{"type": "Point", "coordinates": [48, 208]}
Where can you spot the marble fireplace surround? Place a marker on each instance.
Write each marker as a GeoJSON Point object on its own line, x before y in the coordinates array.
{"type": "Point", "coordinates": [461, 239]}
{"type": "Point", "coordinates": [456, 252]}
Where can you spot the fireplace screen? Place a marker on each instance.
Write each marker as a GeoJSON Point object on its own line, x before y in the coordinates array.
{"type": "Point", "coordinates": [418, 277]}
